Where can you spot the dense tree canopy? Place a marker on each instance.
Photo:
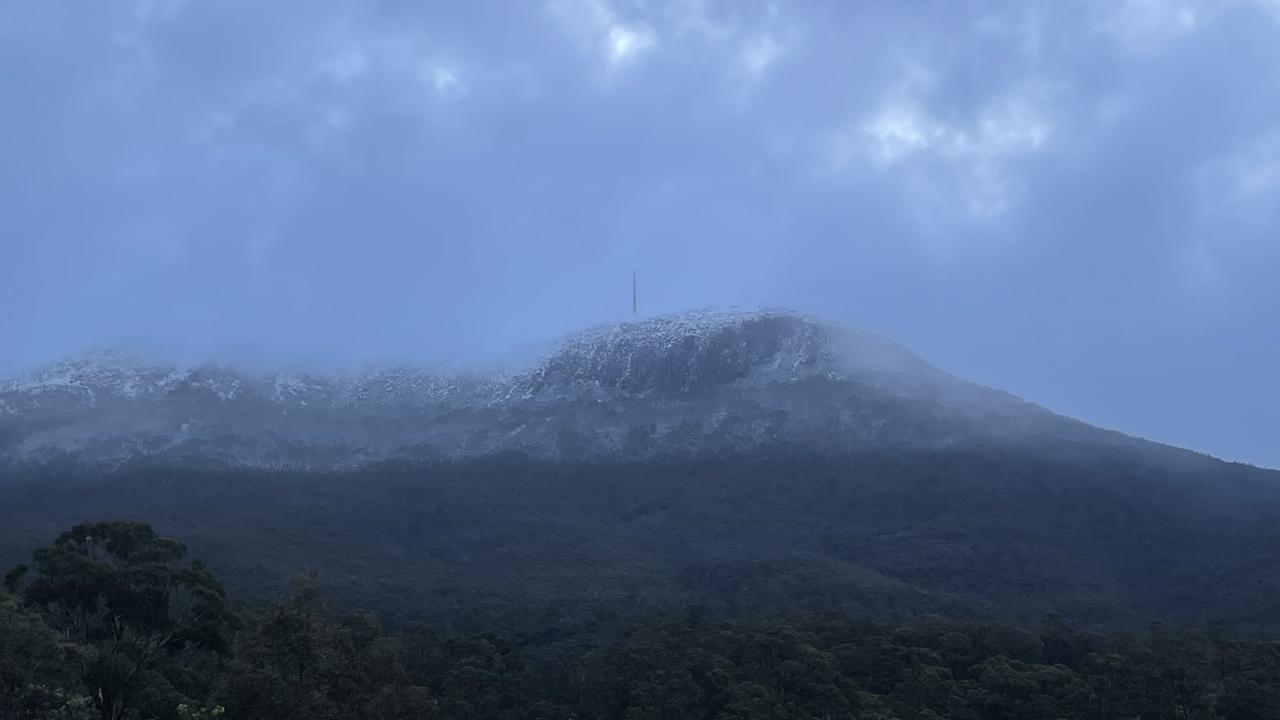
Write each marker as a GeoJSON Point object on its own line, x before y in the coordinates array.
{"type": "Point", "coordinates": [112, 622]}
{"type": "Point", "coordinates": [1104, 541]}
{"type": "Point", "coordinates": [136, 612]}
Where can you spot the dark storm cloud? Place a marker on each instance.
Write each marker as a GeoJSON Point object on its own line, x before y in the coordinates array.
{"type": "Point", "coordinates": [1077, 201]}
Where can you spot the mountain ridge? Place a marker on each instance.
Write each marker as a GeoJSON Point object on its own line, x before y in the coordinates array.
{"type": "Point", "coordinates": [764, 458]}
{"type": "Point", "coordinates": [701, 381]}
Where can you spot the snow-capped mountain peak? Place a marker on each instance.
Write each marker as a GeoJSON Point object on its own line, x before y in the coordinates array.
{"type": "Point", "coordinates": [690, 352]}
{"type": "Point", "coordinates": [94, 375]}
{"type": "Point", "coordinates": [700, 379]}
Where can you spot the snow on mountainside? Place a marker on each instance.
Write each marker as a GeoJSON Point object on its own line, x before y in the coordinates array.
{"type": "Point", "coordinates": [686, 382]}
{"type": "Point", "coordinates": [91, 379]}
{"type": "Point", "coordinates": [92, 375]}
{"type": "Point", "coordinates": [696, 351]}
{"type": "Point", "coordinates": [684, 353]}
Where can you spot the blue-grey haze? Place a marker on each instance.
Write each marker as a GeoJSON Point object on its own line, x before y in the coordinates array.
{"type": "Point", "coordinates": [1075, 201]}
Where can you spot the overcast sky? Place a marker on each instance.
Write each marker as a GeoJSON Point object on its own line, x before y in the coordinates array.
{"type": "Point", "coordinates": [1075, 201]}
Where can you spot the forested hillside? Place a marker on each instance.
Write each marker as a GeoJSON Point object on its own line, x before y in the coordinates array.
{"type": "Point", "coordinates": [113, 621]}
{"type": "Point", "coordinates": [993, 533]}
{"type": "Point", "coordinates": [702, 516]}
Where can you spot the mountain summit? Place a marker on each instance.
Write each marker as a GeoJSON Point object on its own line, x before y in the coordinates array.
{"type": "Point", "coordinates": [706, 381]}
{"type": "Point", "coordinates": [698, 351]}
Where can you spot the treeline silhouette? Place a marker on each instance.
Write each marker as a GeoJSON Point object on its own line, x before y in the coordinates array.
{"type": "Point", "coordinates": [113, 621]}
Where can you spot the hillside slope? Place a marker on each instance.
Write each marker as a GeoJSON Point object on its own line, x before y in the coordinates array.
{"type": "Point", "coordinates": [762, 459]}
{"type": "Point", "coordinates": [1097, 534]}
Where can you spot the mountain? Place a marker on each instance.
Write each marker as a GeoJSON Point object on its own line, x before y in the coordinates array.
{"type": "Point", "coordinates": [698, 382]}
{"type": "Point", "coordinates": [761, 460]}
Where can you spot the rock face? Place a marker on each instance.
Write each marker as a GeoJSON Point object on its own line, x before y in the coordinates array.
{"type": "Point", "coordinates": [696, 382]}
{"type": "Point", "coordinates": [686, 354]}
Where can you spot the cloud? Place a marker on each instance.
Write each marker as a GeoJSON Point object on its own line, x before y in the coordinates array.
{"type": "Point", "coordinates": [1257, 172]}
{"type": "Point", "coordinates": [347, 66]}
{"type": "Point", "coordinates": [760, 53]}
{"type": "Point", "coordinates": [625, 43]}
{"type": "Point", "coordinates": [1235, 212]}
{"type": "Point", "coordinates": [971, 158]}
{"type": "Point", "coordinates": [598, 26]}
{"type": "Point", "coordinates": [1243, 184]}
{"type": "Point", "coordinates": [149, 11]}
{"type": "Point", "coordinates": [738, 39]}
{"type": "Point", "coordinates": [1272, 7]}
{"type": "Point", "coordinates": [1150, 25]}
{"type": "Point", "coordinates": [1141, 22]}
{"type": "Point", "coordinates": [895, 132]}
{"type": "Point", "coordinates": [446, 80]}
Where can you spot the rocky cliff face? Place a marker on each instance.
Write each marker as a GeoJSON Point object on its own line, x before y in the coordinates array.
{"type": "Point", "coordinates": [694, 382]}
